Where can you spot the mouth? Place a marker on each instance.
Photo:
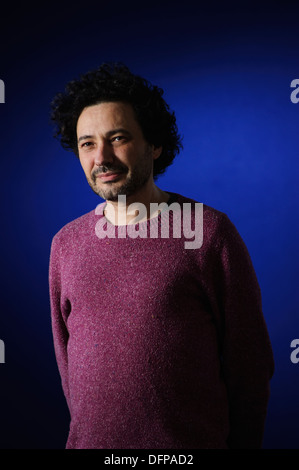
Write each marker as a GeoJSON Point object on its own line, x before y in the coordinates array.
{"type": "Point", "coordinates": [109, 176]}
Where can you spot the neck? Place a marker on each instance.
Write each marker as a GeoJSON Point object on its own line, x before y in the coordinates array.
{"type": "Point", "coordinates": [117, 212]}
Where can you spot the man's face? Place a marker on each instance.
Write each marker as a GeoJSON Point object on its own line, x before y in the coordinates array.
{"type": "Point", "coordinates": [113, 153]}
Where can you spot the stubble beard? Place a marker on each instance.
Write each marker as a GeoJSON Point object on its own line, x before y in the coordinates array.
{"type": "Point", "coordinates": [139, 176]}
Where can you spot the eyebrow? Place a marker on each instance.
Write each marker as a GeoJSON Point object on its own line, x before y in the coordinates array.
{"type": "Point", "coordinates": [107, 135]}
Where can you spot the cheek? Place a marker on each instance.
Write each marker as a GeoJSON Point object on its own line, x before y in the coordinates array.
{"type": "Point", "coordinates": [132, 155]}
{"type": "Point", "coordinates": [86, 164]}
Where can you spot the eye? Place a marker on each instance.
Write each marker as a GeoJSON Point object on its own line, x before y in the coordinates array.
{"type": "Point", "coordinates": [117, 138]}
{"type": "Point", "coordinates": [86, 144]}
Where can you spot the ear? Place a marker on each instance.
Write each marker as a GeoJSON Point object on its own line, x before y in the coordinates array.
{"type": "Point", "coordinates": [157, 152]}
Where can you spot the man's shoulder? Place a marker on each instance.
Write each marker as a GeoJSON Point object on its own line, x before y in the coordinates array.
{"type": "Point", "coordinates": [219, 232]}
{"type": "Point", "coordinates": [210, 214]}
{"type": "Point", "coordinates": [217, 226]}
{"type": "Point", "coordinates": [76, 228]}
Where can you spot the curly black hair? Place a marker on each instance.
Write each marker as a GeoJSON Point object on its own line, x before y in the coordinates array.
{"type": "Point", "coordinates": [115, 82]}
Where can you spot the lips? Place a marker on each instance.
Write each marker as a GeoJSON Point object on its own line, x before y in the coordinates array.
{"type": "Point", "coordinates": [108, 176]}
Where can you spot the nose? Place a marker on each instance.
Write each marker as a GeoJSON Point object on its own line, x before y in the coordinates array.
{"type": "Point", "coordinates": [103, 154]}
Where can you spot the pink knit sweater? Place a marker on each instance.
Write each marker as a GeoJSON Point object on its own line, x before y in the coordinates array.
{"type": "Point", "coordinates": [159, 346]}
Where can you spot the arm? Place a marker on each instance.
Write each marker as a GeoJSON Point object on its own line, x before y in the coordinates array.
{"type": "Point", "coordinates": [58, 316]}
{"type": "Point", "coordinates": [247, 357]}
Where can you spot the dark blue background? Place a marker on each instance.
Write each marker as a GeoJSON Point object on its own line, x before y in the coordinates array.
{"type": "Point", "coordinates": [226, 71]}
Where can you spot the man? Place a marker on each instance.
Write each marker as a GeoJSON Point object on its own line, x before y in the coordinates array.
{"type": "Point", "coordinates": [158, 346]}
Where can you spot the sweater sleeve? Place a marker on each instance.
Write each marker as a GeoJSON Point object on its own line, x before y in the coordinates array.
{"type": "Point", "coordinates": [58, 316]}
{"type": "Point", "coordinates": [247, 358]}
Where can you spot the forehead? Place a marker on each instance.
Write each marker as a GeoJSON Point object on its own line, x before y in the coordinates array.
{"type": "Point", "coordinates": [103, 117]}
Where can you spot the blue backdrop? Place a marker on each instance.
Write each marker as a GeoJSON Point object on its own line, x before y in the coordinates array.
{"type": "Point", "coordinates": [226, 71]}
